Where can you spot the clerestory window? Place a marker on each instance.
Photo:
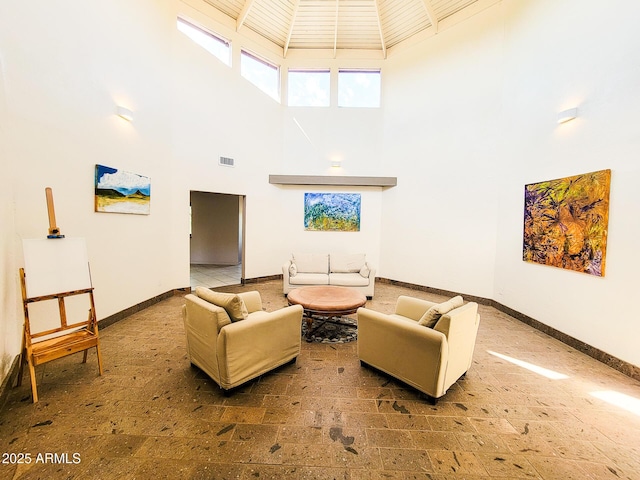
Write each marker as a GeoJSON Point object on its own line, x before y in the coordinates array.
{"type": "Point", "coordinates": [263, 74]}
{"type": "Point", "coordinates": [309, 88]}
{"type": "Point", "coordinates": [359, 88]}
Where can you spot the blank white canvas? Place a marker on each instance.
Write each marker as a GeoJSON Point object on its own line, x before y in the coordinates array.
{"type": "Point", "coordinates": [56, 265]}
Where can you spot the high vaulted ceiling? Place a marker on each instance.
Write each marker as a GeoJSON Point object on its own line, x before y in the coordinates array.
{"type": "Point", "coordinates": [371, 25]}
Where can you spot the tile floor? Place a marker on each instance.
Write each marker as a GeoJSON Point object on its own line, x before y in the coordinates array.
{"type": "Point", "coordinates": [214, 276]}
{"type": "Point", "coordinates": [152, 416]}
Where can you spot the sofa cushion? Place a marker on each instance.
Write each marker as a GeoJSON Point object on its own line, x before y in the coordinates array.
{"type": "Point", "coordinates": [365, 271]}
{"type": "Point", "coordinates": [348, 279]}
{"type": "Point", "coordinates": [346, 263]}
{"type": "Point", "coordinates": [232, 303]}
{"type": "Point", "coordinates": [293, 269]}
{"type": "Point", "coordinates": [311, 262]}
{"type": "Point", "coordinates": [310, 279]}
{"type": "Point", "coordinates": [431, 316]}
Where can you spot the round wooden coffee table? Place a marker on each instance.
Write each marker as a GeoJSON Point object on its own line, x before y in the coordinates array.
{"type": "Point", "coordinates": [326, 303]}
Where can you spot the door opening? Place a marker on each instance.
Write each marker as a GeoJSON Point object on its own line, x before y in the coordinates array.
{"type": "Point", "coordinates": [216, 239]}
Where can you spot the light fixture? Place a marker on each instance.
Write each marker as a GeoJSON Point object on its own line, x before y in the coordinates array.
{"type": "Point", "coordinates": [335, 160]}
{"type": "Point", "coordinates": [124, 112]}
{"type": "Point", "coordinates": [567, 115]}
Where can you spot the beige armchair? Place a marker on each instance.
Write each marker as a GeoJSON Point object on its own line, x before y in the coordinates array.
{"type": "Point", "coordinates": [233, 340]}
{"type": "Point", "coordinates": [428, 359]}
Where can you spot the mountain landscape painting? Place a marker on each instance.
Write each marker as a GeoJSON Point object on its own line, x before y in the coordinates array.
{"type": "Point", "coordinates": [566, 221]}
{"type": "Point", "coordinates": [332, 211]}
{"type": "Point", "coordinates": [117, 191]}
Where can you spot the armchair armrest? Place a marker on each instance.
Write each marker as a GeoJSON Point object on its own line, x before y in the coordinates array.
{"type": "Point", "coordinates": [254, 346]}
{"type": "Point", "coordinates": [413, 308]}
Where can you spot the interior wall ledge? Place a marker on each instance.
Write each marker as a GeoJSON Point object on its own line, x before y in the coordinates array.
{"type": "Point", "coordinates": [341, 180]}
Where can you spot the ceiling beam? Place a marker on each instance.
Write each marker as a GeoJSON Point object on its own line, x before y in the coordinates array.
{"type": "Point", "coordinates": [290, 32]}
{"type": "Point", "coordinates": [431, 13]}
{"type": "Point", "coordinates": [244, 14]}
{"type": "Point", "coordinates": [335, 32]}
{"type": "Point", "coordinates": [382, 42]}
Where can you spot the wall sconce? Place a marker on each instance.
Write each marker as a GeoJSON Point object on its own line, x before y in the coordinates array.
{"type": "Point", "coordinates": [567, 115]}
{"type": "Point", "coordinates": [124, 112]}
{"type": "Point", "coordinates": [337, 163]}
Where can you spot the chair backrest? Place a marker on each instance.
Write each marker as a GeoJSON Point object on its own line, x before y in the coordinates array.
{"type": "Point", "coordinates": [460, 326]}
{"type": "Point", "coordinates": [412, 307]}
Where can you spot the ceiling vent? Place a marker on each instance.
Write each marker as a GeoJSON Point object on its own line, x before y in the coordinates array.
{"type": "Point", "coordinates": [226, 161]}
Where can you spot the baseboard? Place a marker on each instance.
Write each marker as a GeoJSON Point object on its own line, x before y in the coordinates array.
{"type": "Point", "coordinates": [622, 366]}
{"type": "Point", "coordinates": [9, 381]}
{"type": "Point", "coordinates": [267, 278]}
{"type": "Point", "coordinates": [116, 317]}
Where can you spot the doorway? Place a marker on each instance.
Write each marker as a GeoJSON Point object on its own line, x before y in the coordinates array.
{"type": "Point", "coordinates": [216, 239]}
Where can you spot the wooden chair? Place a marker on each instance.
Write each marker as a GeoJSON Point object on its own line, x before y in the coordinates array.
{"type": "Point", "coordinates": [51, 344]}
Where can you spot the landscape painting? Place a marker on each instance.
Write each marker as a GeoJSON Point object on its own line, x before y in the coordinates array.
{"type": "Point", "coordinates": [332, 211]}
{"type": "Point", "coordinates": [117, 191]}
{"type": "Point", "coordinates": [566, 221]}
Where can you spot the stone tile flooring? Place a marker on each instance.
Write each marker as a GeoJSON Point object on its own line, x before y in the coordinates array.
{"type": "Point", "coordinates": [153, 416]}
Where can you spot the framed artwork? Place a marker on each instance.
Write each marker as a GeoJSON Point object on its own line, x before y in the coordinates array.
{"type": "Point", "coordinates": [332, 211]}
{"type": "Point", "coordinates": [566, 221]}
{"type": "Point", "coordinates": [117, 191]}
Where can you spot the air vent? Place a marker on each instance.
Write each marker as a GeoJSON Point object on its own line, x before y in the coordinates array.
{"type": "Point", "coordinates": [226, 161]}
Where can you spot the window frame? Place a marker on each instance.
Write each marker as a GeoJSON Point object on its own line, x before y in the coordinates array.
{"type": "Point", "coordinates": [216, 37]}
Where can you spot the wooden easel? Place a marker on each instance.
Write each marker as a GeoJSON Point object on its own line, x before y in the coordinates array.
{"type": "Point", "coordinates": [66, 339]}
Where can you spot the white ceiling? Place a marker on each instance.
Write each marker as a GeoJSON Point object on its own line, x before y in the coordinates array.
{"type": "Point", "coordinates": [351, 25]}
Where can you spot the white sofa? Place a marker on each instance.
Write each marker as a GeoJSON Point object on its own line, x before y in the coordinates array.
{"type": "Point", "coordinates": [340, 269]}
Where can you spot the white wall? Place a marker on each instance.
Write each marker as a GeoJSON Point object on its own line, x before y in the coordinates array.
{"type": "Point", "coordinates": [65, 67]}
{"type": "Point", "coordinates": [219, 113]}
{"type": "Point", "coordinates": [468, 118]}
{"type": "Point", "coordinates": [66, 73]}
{"type": "Point", "coordinates": [9, 303]}
{"type": "Point", "coordinates": [442, 134]}
{"type": "Point", "coordinates": [559, 55]}
{"type": "Point", "coordinates": [471, 118]}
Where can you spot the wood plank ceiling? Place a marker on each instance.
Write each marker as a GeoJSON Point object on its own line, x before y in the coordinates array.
{"type": "Point", "coordinates": [338, 24]}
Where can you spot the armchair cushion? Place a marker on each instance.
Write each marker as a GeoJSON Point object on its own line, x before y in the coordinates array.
{"type": "Point", "coordinates": [431, 316]}
{"type": "Point", "coordinates": [232, 303]}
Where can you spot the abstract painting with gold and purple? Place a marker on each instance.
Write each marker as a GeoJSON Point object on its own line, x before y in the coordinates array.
{"type": "Point", "coordinates": [566, 221]}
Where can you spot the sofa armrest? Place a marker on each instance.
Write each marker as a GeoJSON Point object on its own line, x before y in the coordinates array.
{"type": "Point", "coordinates": [413, 308]}
{"type": "Point", "coordinates": [253, 346]}
{"type": "Point", "coordinates": [372, 271]}
{"type": "Point", "coordinates": [285, 268]}
{"type": "Point", "coordinates": [413, 353]}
